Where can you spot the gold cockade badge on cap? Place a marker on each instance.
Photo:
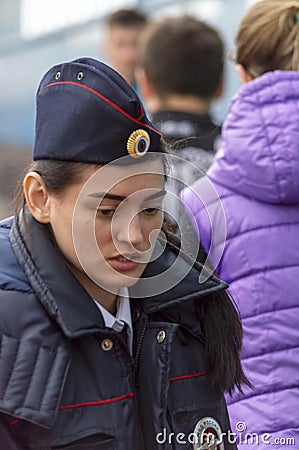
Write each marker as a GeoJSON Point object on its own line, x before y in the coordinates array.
{"type": "Point", "coordinates": [138, 143]}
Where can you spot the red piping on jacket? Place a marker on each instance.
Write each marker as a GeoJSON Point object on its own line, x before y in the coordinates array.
{"type": "Point", "coordinates": [80, 405]}
{"type": "Point", "coordinates": [114, 105]}
{"type": "Point", "coordinates": [100, 402]}
{"type": "Point", "coordinates": [13, 422]}
{"type": "Point", "coordinates": [184, 377]}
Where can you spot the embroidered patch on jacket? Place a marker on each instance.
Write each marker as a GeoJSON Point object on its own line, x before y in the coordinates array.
{"type": "Point", "coordinates": [208, 435]}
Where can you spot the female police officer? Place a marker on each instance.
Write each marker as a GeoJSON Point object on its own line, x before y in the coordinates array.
{"type": "Point", "coordinates": [108, 340]}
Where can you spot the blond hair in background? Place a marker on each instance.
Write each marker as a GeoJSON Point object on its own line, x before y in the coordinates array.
{"type": "Point", "coordinates": [268, 37]}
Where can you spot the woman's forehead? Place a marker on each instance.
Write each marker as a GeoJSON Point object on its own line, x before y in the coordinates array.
{"type": "Point", "coordinates": [124, 180]}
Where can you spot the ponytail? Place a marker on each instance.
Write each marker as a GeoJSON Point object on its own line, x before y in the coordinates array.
{"type": "Point", "coordinates": [222, 329]}
{"type": "Point", "coordinates": [268, 37]}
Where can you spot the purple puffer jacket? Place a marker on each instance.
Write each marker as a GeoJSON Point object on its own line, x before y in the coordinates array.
{"type": "Point", "coordinates": [256, 175]}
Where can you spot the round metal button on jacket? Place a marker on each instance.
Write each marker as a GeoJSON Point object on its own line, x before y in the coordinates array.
{"type": "Point", "coordinates": [107, 345]}
{"type": "Point", "coordinates": [161, 336]}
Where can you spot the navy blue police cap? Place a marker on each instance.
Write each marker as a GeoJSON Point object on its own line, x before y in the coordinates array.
{"type": "Point", "coordinates": [87, 112]}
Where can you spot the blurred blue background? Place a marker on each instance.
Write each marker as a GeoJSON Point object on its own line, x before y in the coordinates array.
{"type": "Point", "coordinates": [35, 34]}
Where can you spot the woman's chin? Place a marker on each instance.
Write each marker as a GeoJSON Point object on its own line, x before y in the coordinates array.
{"type": "Point", "coordinates": [112, 280]}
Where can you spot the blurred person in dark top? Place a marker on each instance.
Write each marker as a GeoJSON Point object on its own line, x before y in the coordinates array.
{"type": "Point", "coordinates": [124, 29]}
{"type": "Point", "coordinates": [180, 73]}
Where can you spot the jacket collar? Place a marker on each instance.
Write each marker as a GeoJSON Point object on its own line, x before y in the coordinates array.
{"type": "Point", "coordinates": [64, 298]}
{"type": "Point", "coordinates": [174, 278]}
{"type": "Point", "coordinates": [69, 304]}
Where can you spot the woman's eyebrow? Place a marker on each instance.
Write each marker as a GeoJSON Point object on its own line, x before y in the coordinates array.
{"type": "Point", "coordinates": [158, 194]}
{"type": "Point", "coordinates": [102, 195]}
{"type": "Point", "coordinates": [120, 198]}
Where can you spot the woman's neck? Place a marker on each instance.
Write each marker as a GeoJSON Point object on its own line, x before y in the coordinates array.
{"type": "Point", "coordinates": [102, 296]}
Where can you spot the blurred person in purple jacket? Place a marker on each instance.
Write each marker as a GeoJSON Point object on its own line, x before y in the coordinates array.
{"type": "Point", "coordinates": [256, 176]}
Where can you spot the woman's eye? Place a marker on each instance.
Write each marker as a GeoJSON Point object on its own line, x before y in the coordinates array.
{"type": "Point", "coordinates": [105, 212]}
{"type": "Point", "coordinates": [151, 211]}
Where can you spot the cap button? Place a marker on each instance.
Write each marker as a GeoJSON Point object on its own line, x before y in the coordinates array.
{"type": "Point", "coordinates": [107, 344]}
{"type": "Point", "coordinates": [57, 75]}
{"type": "Point", "coordinates": [80, 76]}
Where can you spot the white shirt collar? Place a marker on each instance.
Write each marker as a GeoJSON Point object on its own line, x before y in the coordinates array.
{"type": "Point", "coordinates": [123, 315]}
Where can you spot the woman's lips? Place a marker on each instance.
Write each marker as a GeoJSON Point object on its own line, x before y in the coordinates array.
{"type": "Point", "coordinates": [123, 263]}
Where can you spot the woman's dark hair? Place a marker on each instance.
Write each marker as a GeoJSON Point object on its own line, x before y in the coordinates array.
{"type": "Point", "coordinates": [223, 333]}
{"type": "Point", "coordinates": [222, 329]}
{"type": "Point", "coordinates": [56, 175]}
{"type": "Point", "coordinates": [219, 319]}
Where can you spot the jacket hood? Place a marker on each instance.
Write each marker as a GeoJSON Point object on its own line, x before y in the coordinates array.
{"type": "Point", "coordinates": [259, 155]}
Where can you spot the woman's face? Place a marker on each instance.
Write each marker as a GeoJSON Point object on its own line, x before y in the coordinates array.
{"type": "Point", "coordinates": [106, 224]}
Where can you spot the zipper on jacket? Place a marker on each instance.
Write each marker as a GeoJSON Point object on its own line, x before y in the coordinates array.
{"type": "Point", "coordinates": [135, 361]}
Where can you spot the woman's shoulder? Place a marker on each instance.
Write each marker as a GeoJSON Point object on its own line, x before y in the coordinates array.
{"type": "Point", "coordinates": [12, 277]}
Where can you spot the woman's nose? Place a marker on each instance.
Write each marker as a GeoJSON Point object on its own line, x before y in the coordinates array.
{"type": "Point", "coordinates": [130, 230]}
{"type": "Point", "coordinates": [135, 230]}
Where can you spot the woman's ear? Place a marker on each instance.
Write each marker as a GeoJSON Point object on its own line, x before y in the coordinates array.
{"type": "Point", "coordinates": [243, 74]}
{"type": "Point", "coordinates": [37, 197]}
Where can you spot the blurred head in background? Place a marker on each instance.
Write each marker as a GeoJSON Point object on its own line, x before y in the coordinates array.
{"type": "Point", "coordinates": [181, 65]}
{"type": "Point", "coordinates": [268, 39]}
{"type": "Point", "coordinates": [124, 29]}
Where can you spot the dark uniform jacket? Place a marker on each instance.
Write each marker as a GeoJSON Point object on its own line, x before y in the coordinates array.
{"type": "Point", "coordinates": [67, 382]}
